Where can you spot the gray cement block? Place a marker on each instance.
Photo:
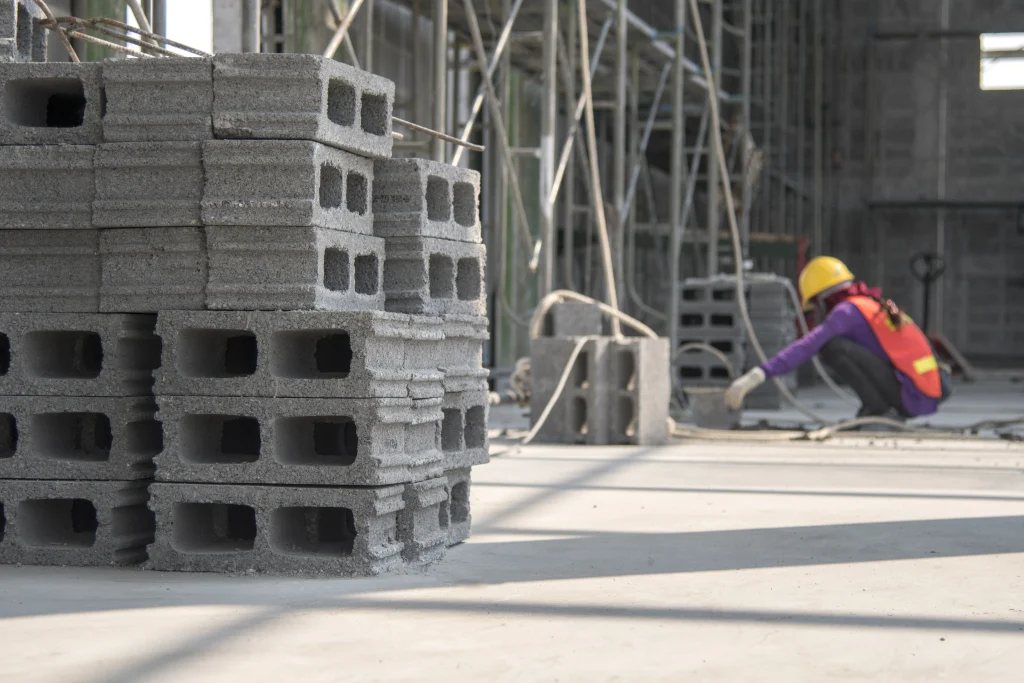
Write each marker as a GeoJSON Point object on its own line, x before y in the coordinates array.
{"type": "Point", "coordinates": [167, 99]}
{"type": "Point", "coordinates": [21, 37]}
{"type": "Point", "coordinates": [46, 186]}
{"type": "Point", "coordinates": [461, 352]}
{"type": "Point", "coordinates": [287, 183]}
{"type": "Point", "coordinates": [639, 409]}
{"type": "Point", "coordinates": [423, 356]}
{"type": "Point", "coordinates": [294, 269]}
{"type": "Point", "coordinates": [421, 198]}
{"type": "Point", "coordinates": [153, 269]}
{"type": "Point", "coordinates": [327, 442]}
{"type": "Point", "coordinates": [148, 184]}
{"type": "Point", "coordinates": [75, 523]}
{"type": "Point", "coordinates": [302, 354]}
{"type": "Point", "coordinates": [77, 354]}
{"type": "Point", "coordinates": [52, 103]}
{"type": "Point", "coordinates": [423, 523]}
{"type": "Point", "coordinates": [58, 437]}
{"type": "Point", "coordinates": [457, 510]}
{"type": "Point", "coordinates": [304, 97]}
{"type": "Point", "coordinates": [50, 270]}
{"type": "Point", "coordinates": [580, 415]}
{"type": "Point", "coordinates": [276, 529]}
{"type": "Point", "coordinates": [435, 277]}
{"type": "Point", "coordinates": [464, 441]}
{"type": "Point", "coordinates": [573, 319]}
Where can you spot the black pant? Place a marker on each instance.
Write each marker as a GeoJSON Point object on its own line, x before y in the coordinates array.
{"type": "Point", "coordinates": [873, 379]}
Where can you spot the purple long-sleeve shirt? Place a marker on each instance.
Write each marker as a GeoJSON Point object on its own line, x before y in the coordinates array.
{"type": "Point", "coordinates": [846, 320]}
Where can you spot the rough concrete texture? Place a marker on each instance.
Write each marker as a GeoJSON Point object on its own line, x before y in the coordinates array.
{"type": "Point", "coordinates": [458, 512]}
{"type": "Point", "coordinates": [464, 441]}
{"type": "Point", "coordinates": [582, 412]}
{"type": "Point", "coordinates": [304, 97]}
{"type": "Point", "coordinates": [276, 529]}
{"type": "Point", "coordinates": [77, 354]}
{"type": "Point", "coordinates": [57, 437]}
{"type": "Point", "coordinates": [53, 103]}
{"type": "Point", "coordinates": [50, 270]}
{"type": "Point", "coordinates": [573, 319]}
{"type": "Point", "coordinates": [421, 198]}
{"type": "Point", "coordinates": [286, 269]}
{"type": "Point", "coordinates": [435, 277]}
{"type": "Point", "coordinates": [327, 442]}
{"type": "Point", "coordinates": [153, 269]}
{"type": "Point", "coordinates": [46, 186]}
{"type": "Point", "coordinates": [148, 184]}
{"type": "Point", "coordinates": [287, 183]}
{"type": "Point", "coordinates": [303, 354]}
{"type": "Point", "coordinates": [461, 353]}
{"type": "Point", "coordinates": [21, 37]}
{"type": "Point", "coordinates": [149, 100]}
{"type": "Point", "coordinates": [74, 523]}
{"type": "Point", "coordinates": [639, 408]}
{"type": "Point", "coordinates": [423, 522]}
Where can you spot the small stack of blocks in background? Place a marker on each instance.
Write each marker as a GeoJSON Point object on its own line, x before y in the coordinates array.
{"type": "Point", "coordinates": [617, 391]}
{"type": "Point", "coordinates": [208, 233]}
{"type": "Point", "coordinates": [710, 314]}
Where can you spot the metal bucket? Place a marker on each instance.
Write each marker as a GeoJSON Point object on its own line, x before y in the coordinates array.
{"type": "Point", "coordinates": [707, 404]}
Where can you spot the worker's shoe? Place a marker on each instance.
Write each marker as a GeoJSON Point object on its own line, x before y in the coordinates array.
{"type": "Point", "coordinates": [889, 414]}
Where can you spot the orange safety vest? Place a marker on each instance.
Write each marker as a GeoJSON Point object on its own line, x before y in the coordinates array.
{"type": "Point", "coordinates": [906, 346]}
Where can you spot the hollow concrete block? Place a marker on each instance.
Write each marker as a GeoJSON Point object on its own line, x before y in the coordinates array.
{"type": "Point", "coordinates": [464, 441]}
{"type": "Point", "coordinates": [423, 524]}
{"type": "Point", "coordinates": [46, 186]}
{"type": "Point", "coordinates": [461, 353]}
{"type": "Point", "coordinates": [153, 269]}
{"type": "Point", "coordinates": [422, 198]}
{"type": "Point", "coordinates": [152, 100]}
{"type": "Point", "coordinates": [573, 319]}
{"type": "Point", "coordinates": [22, 39]}
{"type": "Point", "coordinates": [434, 276]}
{"type": "Point", "coordinates": [581, 413]}
{"type": "Point", "coordinates": [642, 388]}
{"type": "Point", "coordinates": [148, 184]}
{"type": "Point", "coordinates": [457, 510]}
{"type": "Point", "coordinates": [50, 270]}
{"type": "Point", "coordinates": [51, 103]}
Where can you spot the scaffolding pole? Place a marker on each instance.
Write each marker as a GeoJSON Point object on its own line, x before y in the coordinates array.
{"type": "Point", "coordinates": [440, 61]}
{"type": "Point", "coordinates": [715, 171]}
{"type": "Point", "coordinates": [549, 127]}
{"type": "Point", "coordinates": [676, 186]}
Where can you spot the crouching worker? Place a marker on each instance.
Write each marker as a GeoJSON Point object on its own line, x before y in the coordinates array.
{"type": "Point", "coordinates": [870, 344]}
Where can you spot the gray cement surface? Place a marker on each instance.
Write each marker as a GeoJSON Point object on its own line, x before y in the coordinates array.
{"type": "Point", "coordinates": [46, 186]}
{"type": "Point", "coordinates": [435, 276]}
{"type": "Point", "coordinates": [146, 270]}
{"type": "Point", "coordinates": [50, 270]}
{"type": "Point", "coordinates": [149, 100]}
{"type": "Point", "coordinates": [148, 184]}
{"type": "Point", "coordinates": [421, 198]}
{"type": "Point", "coordinates": [53, 103]}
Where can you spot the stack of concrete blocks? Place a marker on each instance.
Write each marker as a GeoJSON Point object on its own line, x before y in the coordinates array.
{"type": "Point", "coordinates": [710, 314]}
{"type": "Point", "coordinates": [617, 391]}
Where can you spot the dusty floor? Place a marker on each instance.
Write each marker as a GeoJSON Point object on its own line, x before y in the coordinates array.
{"type": "Point", "coordinates": [853, 560]}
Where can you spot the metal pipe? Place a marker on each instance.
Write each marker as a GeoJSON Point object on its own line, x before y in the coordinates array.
{"type": "Point", "coordinates": [619, 147]}
{"type": "Point", "coordinates": [251, 21]}
{"type": "Point", "coordinates": [342, 31]}
{"type": "Point", "coordinates": [819, 130]}
{"type": "Point", "coordinates": [747, 139]}
{"type": "Point", "coordinates": [645, 138]}
{"type": "Point", "coordinates": [678, 158]}
{"type": "Point", "coordinates": [715, 171]}
{"type": "Point", "coordinates": [785, 35]}
{"type": "Point", "coordinates": [548, 128]}
{"type": "Point", "coordinates": [942, 143]}
{"type": "Point", "coordinates": [801, 112]}
{"type": "Point", "coordinates": [693, 177]}
{"type": "Point", "coordinates": [368, 36]}
{"type": "Point", "coordinates": [569, 201]}
{"type": "Point", "coordinates": [159, 18]}
{"type": "Point", "coordinates": [767, 106]}
{"type": "Point", "coordinates": [440, 94]}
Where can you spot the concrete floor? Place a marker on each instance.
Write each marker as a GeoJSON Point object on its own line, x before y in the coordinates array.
{"type": "Point", "coordinates": [853, 560]}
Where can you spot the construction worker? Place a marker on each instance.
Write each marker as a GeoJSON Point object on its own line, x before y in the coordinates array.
{"type": "Point", "coordinates": [870, 344]}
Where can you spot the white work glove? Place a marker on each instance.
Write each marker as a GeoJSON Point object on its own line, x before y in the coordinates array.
{"type": "Point", "coordinates": [739, 389]}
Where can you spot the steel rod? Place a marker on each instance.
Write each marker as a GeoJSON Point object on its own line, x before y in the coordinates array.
{"type": "Point", "coordinates": [342, 31]}
{"type": "Point", "coordinates": [618, 225]}
{"type": "Point", "coordinates": [676, 163]}
{"type": "Point", "coordinates": [440, 94]}
{"type": "Point", "coordinates": [251, 26]}
{"type": "Point", "coordinates": [438, 134]}
{"type": "Point", "coordinates": [548, 129]}
{"type": "Point", "coordinates": [716, 173]}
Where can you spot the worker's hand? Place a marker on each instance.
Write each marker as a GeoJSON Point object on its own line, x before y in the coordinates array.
{"type": "Point", "coordinates": [739, 389]}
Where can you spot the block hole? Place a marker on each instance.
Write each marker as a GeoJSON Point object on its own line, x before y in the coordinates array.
{"type": "Point", "coordinates": [442, 277]}
{"type": "Point", "coordinates": [578, 419]}
{"type": "Point", "coordinates": [73, 437]}
{"type": "Point", "coordinates": [5, 354]}
{"type": "Point", "coordinates": [219, 439]}
{"type": "Point", "coordinates": [626, 418]}
{"type": "Point", "coordinates": [8, 435]}
{"type": "Point", "coordinates": [144, 437]}
{"type": "Point", "coordinates": [721, 320]}
{"type": "Point", "coordinates": [367, 274]}
{"type": "Point", "coordinates": [581, 371]}
{"type": "Point", "coordinates": [460, 503]}
{"type": "Point", "coordinates": [693, 294]}
{"type": "Point", "coordinates": [217, 353]}
{"type": "Point", "coordinates": [438, 201]}
{"type": "Point", "coordinates": [627, 370]}
{"type": "Point", "coordinates": [332, 183]}
{"type": "Point", "coordinates": [465, 204]}
{"type": "Point", "coordinates": [451, 430]}
{"type": "Point", "coordinates": [320, 440]}
{"type": "Point", "coordinates": [213, 528]}
{"type": "Point", "coordinates": [341, 102]}
{"type": "Point", "coordinates": [373, 115]}
{"type": "Point", "coordinates": [719, 372]}
{"type": "Point", "coordinates": [476, 427]}
{"type": "Point", "coordinates": [311, 354]}
{"type": "Point", "coordinates": [691, 319]}
{"type": "Point", "coordinates": [312, 532]}
{"type": "Point", "coordinates": [140, 353]}
{"type": "Point", "coordinates": [57, 523]}
{"type": "Point", "coordinates": [357, 193]}
{"type": "Point", "coordinates": [45, 102]}
{"type": "Point", "coordinates": [336, 269]}
{"type": "Point", "coordinates": [724, 346]}
{"type": "Point", "coordinates": [443, 514]}
{"type": "Point", "coordinates": [690, 372]}
{"type": "Point", "coordinates": [63, 355]}
{"type": "Point", "coordinates": [724, 294]}
{"type": "Point", "coordinates": [468, 280]}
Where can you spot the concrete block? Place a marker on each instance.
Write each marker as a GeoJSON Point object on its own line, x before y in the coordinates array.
{"type": "Point", "coordinates": [148, 184]}
{"type": "Point", "coordinates": [464, 441]}
{"type": "Point", "coordinates": [50, 270]}
{"type": "Point", "coordinates": [423, 524]}
{"type": "Point", "coordinates": [302, 97]}
{"type": "Point", "coordinates": [287, 183]}
{"type": "Point", "coordinates": [46, 187]}
{"type": "Point", "coordinates": [74, 523]}
{"type": "Point", "coordinates": [580, 415]}
{"type": "Point", "coordinates": [302, 354]}
{"type": "Point", "coordinates": [639, 410]}
{"type": "Point", "coordinates": [52, 103]}
{"type": "Point", "coordinates": [94, 438]}
{"type": "Point", "coordinates": [435, 277]}
{"type": "Point", "coordinates": [423, 352]}
{"type": "Point", "coordinates": [152, 100]}
{"type": "Point", "coordinates": [153, 269]}
{"type": "Point", "coordinates": [457, 510]}
{"type": "Point", "coordinates": [328, 442]}
{"type": "Point", "coordinates": [573, 319]}
{"type": "Point", "coordinates": [294, 269]}
{"type": "Point", "coordinates": [21, 37]}
{"type": "Point", "coordinates": [276, 529]}
{"type": "Point", "coordinates": [461, 352]}
{"type": "Point", "coordinates": [77, 354]}
{"type": "Point", "coordinates": [421, 198]}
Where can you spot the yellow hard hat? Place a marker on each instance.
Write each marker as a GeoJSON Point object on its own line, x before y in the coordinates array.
{"type": "Point", "coordinates": [821, 274]}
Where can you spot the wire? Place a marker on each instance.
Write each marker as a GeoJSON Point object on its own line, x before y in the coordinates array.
{"type": "Point", "coordinates": [559, 388]}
